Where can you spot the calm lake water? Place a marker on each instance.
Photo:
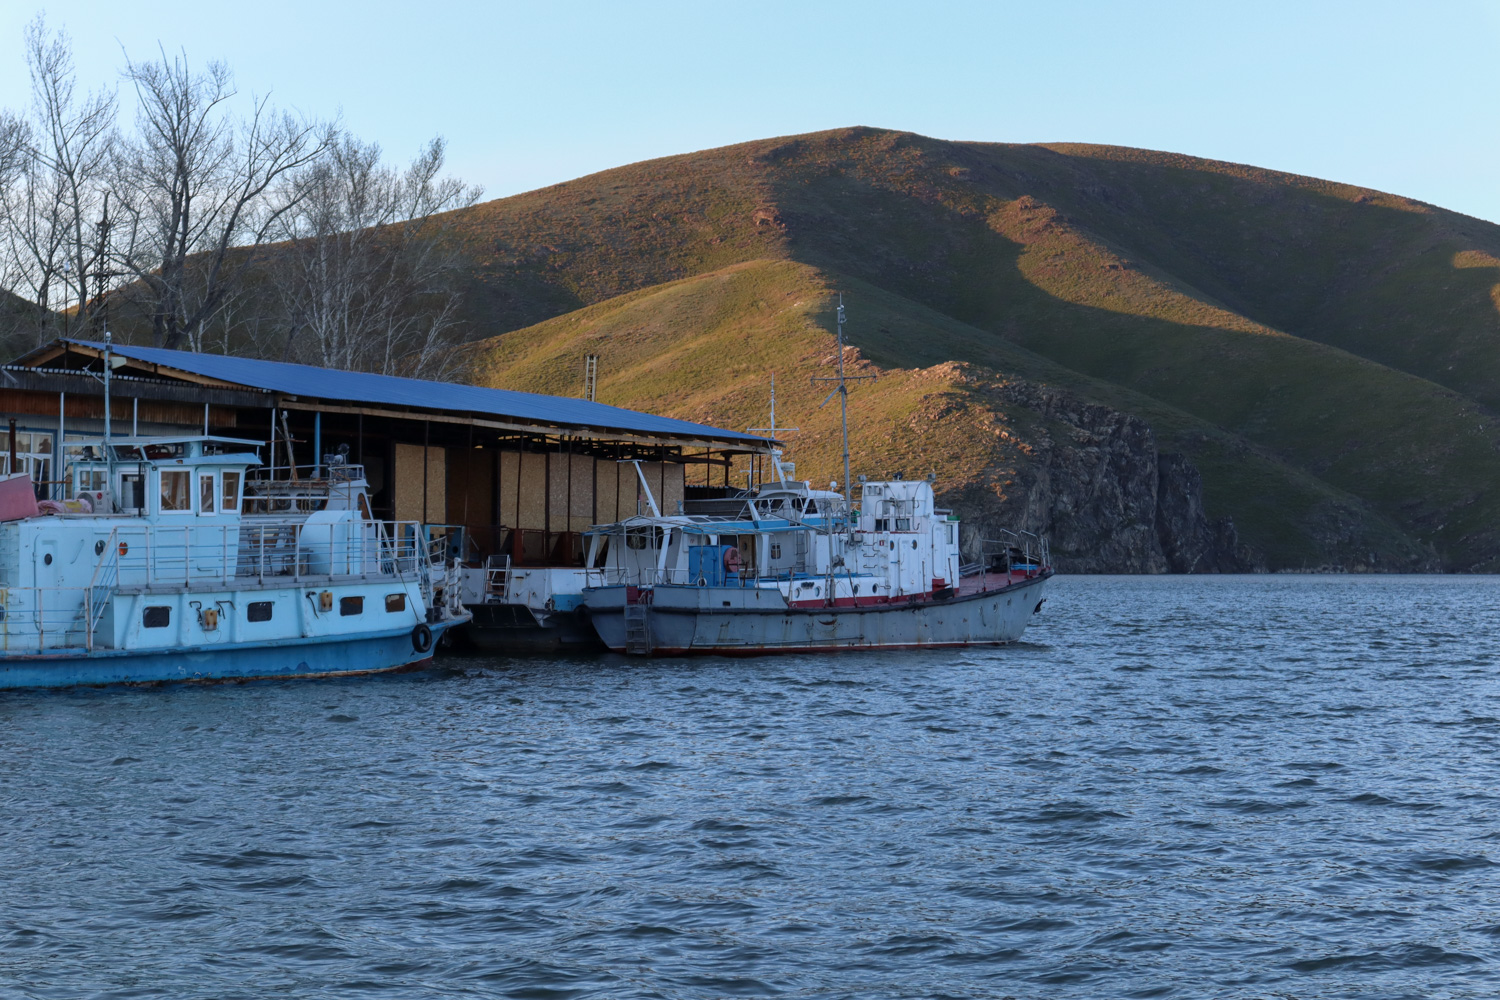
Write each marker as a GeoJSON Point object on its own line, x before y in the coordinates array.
{"type": "Point", "coordinates": [1179, 787]}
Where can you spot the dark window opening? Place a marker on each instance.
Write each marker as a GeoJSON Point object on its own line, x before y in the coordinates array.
{"type": "Point", "coordinates": [259, 611]}
{"type": "Point", "coordinates": [157, 616]}
{"type": "Point", "coordinates": [395, 602]}
{"type": "Point", "coordinates": [351, 606]}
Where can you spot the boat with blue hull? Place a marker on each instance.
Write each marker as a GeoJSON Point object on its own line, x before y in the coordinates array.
{"type": "Point", "coordinates": [170, 563]}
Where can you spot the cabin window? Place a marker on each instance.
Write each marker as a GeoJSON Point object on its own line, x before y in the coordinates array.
{"type": "Point", "coordinates": [950, 534]}
{"type": "Point", "coordinates": [157, 616]}
{"type": "Point", "coordinates": [364, 508]}
{"type": "Point", "coordinates": [259, 611]}
{"type": "Point", "coordinates": [640, 539]}
{"type": "Point", "coordinates": [351, 606]}
{"type": "Point", "coordinates": [395, 603]}
{"type": "Point", "coordinates": [132, 491]}
{"type": "Point", "coordinates": [903, 524]}
{"type": "Point", "coordinates": [775, 550]}
{"type": "Point", "coordinates": [33, 455]}
{"type": "Point", "coordinates": [229, 501]}
{"type": "Point", "coordinates": [206, 491]}
{"type": "Point", "coordinates": [882, 524]}
{"type": "Point", "coordinates": [175, 484]}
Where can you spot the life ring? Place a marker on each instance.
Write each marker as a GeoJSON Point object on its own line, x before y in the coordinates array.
{"type": "Point", "coordinates": [421, 638]}
{"type": "Point", "coordinates": [731, 560]}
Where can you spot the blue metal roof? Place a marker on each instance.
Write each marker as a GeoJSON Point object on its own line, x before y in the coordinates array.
{"type": "Point", "coordinates": [308, 382]}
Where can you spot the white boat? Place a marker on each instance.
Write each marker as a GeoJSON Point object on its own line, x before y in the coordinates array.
{"type": "Point", "coordinates": [155, 572]}
{"type": "Point", "coordinates": [791, 569]}
{"type": "Point", "coordinates": [795, 570]}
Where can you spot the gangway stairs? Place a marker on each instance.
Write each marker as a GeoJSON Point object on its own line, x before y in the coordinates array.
{"type": "Point", "coordinates": [638, 630]}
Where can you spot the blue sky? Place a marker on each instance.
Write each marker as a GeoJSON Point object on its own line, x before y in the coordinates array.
{"type": "Point", "coordinates": [1401, 97]}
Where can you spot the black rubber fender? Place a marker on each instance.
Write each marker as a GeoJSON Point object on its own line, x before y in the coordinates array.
{"type": "Point", "coordinates": [421, 638]}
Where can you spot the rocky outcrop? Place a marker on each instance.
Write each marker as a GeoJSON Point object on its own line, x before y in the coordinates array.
{"type": "Point", "coordinates": [1099, 490]}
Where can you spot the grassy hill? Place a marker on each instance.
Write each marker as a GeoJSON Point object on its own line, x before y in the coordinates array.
{"type": "Point", "coordinates": [1320, 352]}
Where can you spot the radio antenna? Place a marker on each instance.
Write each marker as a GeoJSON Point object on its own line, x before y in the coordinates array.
{"type": "Point", "coordinates": [842, 391]}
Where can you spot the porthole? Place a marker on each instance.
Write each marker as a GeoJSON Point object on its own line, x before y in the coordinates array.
{"type": "Point", "coordinates": [99, 547]}
{"type": "Point", "coordinates": [351, 606]}
{"type": "Point", "coordinates": [260, 611]}
{"type": "Point", "coordinates": [47, 559]}
{"type": "Point", "coordinates": [395, 602]}
{"type": "Point", "coordinates": [157, 616]}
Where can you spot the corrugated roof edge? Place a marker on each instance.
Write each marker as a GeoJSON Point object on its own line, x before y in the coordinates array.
{"type": "Point", "coordinates": [395, 390]}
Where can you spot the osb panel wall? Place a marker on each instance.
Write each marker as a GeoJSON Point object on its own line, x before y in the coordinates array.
{"type": "Point", "coordinates": [526, 502]}
{"type": "Point", "coordinates": [609, 476]}
{"type": "Point", "coordinates": [674, 489]}
{"type": "Point", "coordinates": [471, 486]}
{"type": "Point", "coordinates": [408, 481]}
{"type": "Point", "coordinates": [509, 474]}
{"type": "Point", "coordinates": [558, 468]}
{"type": "Point", "coordinates": [666, 482]}
{"type": "Point", "coordinates": [581, 511]}
{"type": "Point", "coordinates": [532, 483]}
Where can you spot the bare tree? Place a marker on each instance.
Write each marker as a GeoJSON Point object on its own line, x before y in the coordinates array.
{"type": "Point", "coordinates": [368, 275]}
{"type": "Point", "coordinates": [197, 187]}
{"type": "Point", "coordinates": [52, 186]}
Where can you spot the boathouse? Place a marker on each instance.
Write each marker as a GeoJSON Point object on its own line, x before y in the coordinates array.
{"type": "Point", "coordinates": [524, 473]}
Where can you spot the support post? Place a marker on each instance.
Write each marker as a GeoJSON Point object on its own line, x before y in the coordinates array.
{"type": "Point", "coordinates": [59, 489]}
{"type": "Point", "coordinates": [317, 439]}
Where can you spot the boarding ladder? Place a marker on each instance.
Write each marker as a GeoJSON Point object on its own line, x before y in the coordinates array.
{"type": "Point", "coordinates": [638, 629]}
{"type": "Point", "coordinates": [97, 595]}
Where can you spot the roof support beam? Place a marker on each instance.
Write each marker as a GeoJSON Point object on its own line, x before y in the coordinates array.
{"type": "Point", "coordinates": [582, 433]}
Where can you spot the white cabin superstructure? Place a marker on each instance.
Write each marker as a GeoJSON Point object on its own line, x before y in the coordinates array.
{"type": "Point", "coordinates": [154, 571]}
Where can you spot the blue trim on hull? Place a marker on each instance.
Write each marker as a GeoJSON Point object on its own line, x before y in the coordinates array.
{"type": "Point", "coordinates": [320, 657]}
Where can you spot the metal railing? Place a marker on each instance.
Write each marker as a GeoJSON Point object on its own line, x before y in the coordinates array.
{"type": "Point", "coordinates": [303, 495]}
{"type": "Point", "coordinates": [229, 556]}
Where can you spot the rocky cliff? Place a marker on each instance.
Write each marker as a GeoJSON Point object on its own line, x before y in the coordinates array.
{"type": "Point", "coordinates": [1099, 489]}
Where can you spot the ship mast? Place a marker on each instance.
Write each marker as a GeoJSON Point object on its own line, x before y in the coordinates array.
{"type": "Point", "coordinates": [843, 393]}
{"type": "Point", "coordinates": [772, 431]}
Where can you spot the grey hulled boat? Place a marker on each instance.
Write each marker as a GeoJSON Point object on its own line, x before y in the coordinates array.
{"type": "Point", "coordinates": [796, 571]}
{"type": "Point", "coordinates": [787, 568]}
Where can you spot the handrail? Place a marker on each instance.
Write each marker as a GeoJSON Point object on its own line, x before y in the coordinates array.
{"type": "Point", "coordinates": [96, 598]}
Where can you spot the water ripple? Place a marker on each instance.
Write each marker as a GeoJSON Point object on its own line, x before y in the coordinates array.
{"type": "Point", "coordinates": [1230, 787]}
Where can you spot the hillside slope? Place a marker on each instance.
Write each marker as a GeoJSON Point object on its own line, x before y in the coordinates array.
{"type": "Point", "coordinates": [1318, 351]}
{"type": "Point", "coordinates": [1014, 439]}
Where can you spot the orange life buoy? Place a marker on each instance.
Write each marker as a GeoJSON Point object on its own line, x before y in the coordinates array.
{"type": "Point", "coordinates": [732, 560]}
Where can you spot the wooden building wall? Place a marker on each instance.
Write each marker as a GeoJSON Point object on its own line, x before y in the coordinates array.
{"type": "Point", "coordinates": [408, 478]}
{"type": "Point", "coordinates": [549, 491]}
